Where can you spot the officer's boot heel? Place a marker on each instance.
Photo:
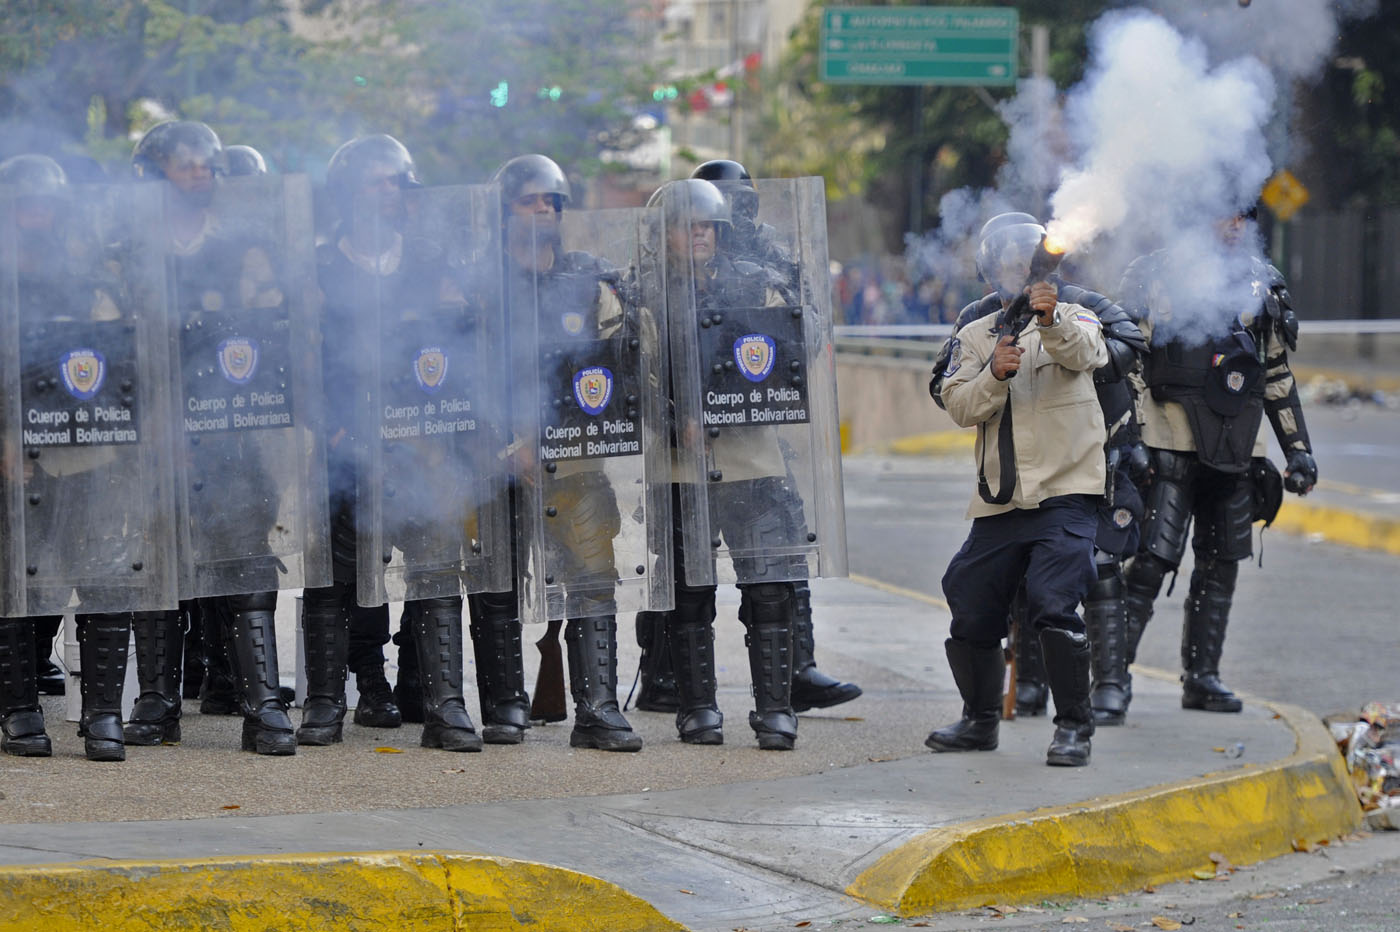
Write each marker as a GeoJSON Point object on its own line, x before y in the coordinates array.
{"type": "Point", "coordinates": [160, 651]}
{"type": "Point", "coordinates": [437, 637]}
{"type": "Point", "coordinates": [1203, 637]}
{"type": "Point", "coordinates": [811, 688]}
{"type": "Point", "coordinates": [1067, 666]}
{"type": "Point", "coordinates": [326, 636]}
{"type": "Point", "coordinates": [253, 639]}
{"type": "Point", "coordinates": [766, 609]}
{"type": "Point", "coordinates": [21, 718]}
{"type": "Point", "coordinates": [598, 722]}
{"type": "Point", "coordinates": [102, 647]}
{"type": "Point", "coordinates": [980, 672]}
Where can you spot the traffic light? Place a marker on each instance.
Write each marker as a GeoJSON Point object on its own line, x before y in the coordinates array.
{"type": "Point", "coordinates": [500, 94]}
{"type": "Point", "coordinates": [550, 93]}
{"type": "Point", "coordinates": [664, 92]}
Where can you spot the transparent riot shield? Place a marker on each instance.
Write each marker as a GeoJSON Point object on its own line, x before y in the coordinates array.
{"type": "Point", "coordinates": [754, 380]}
{"type": "Point", "coordinates": [593, 468]}
{"type": "Point", "coordinates": [86, 408]}
{"type": "Point", "coordinates": [246, 381]}
{"type": "Point", "coordinates": [432, 516]}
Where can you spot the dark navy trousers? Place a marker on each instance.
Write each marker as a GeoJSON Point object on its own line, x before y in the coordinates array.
{"type": "Point", "coordinates": [1051, 547]}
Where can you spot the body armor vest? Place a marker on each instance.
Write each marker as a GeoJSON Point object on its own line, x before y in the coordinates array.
{"type": "Point", "coordinates": [1220, 385]}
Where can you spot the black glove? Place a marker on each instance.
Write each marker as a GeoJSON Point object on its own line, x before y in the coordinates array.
{"type": "Point", "coordinates": [1301, 472]}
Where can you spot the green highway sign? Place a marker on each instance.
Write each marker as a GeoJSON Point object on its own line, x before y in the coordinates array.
{"type": "Point", "coordinates": [919, 44]}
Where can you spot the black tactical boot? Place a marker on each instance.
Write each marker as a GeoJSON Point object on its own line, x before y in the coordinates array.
{"type": "Point", "coordinates": [51, 679]}
{"type": "Point", "coordinates": [1032, 689]}
{"type": "Point", "coordinates": [21, 718]}
{"type": "Point", "coordinates": [326, 641]}
{"type": "Point", "coordinates": [1067, 666]}
{"type": "Point", "coordinates": [656, 691]}
{"type": "Point", "coordinates": [102, 646]}
{"type": "Point", "coordinates": [375, 708]}
{"type": "Point", "coordinates": [766, 609]}
{"type": "Point", "coordinates": [437, 636]}
{"type": "Point", "coordinates": [408, 687]}
{"type": "Point", "coordinates": [219, 694]}
{"type": "Point", "coordinates": [160, 651]}
{"type": "Point", "coordinates": [1203, 637]}
{"type": "Point", "coordinates": [811, 688]}
{"type": "Point", "coordinates": [266, 727]}
{"type": "Point", "coordinates": [1142, 580]}
{"type": "Point", "coordinates": [690, 632]}
{"type": "Point", "coordinates": [1106, 618]}
{"type": "Point", "coordinates": [500, 668]}
{"type": "Point", "coordinates": [980, 672]}
{"type": "Point", "coordinates": [598, 722]}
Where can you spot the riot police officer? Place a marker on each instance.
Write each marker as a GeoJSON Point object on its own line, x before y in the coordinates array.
{"type": "Point", "coordinates": [1202, 411]}
{"type": "Point", "coordinates": [1118, 514]}
{"type": "Point", "coordinates": [557, 300]}
{"type": "Point", "coordinates": [373, 277]}
{"type": "Point", "coordinates": [1039, 522]}
{"type": "Point", "coordinates": [745, 495]}
{"type": "Point", "coordinates": [86, 525]}
{"type": "Point", "coordinates": [219, 273]}
{"type": "Point", "coordinates": [748, 240]}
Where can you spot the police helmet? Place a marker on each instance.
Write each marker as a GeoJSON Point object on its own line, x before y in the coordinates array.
{"type": "Point", "coordinates": [349, 166]}
{"type": "Point", "coordinates": [532, 174]}
{"type": "Point", "coordinates": [733, 180]}
{"type": "Point", "coordinates": [722, 170]}
{"type": "Point", "coordinates": [155, 149]}
{"type": "Point", "coordinates": [245, 160]}
{"type": "Point", "coordinates": [692, 200]}
{"type": "Point", "coordinates": [34, 176]}
{"type": "Point", "coordinates": [1006, 246]}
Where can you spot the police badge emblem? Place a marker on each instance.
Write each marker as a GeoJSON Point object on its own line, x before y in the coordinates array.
{"type": "Point", "coordinates": [430, 368]}
{"type": "Point", "coordinates": [1122, 517]}
{"type": "Point", "coordinates": [755, 354]}
{"type": "Point", "coordinates": [1235, 381]}
{"type": "Point", "coordinates": [593, 389]}
{"type": "Point", "coordinates": [954, 357]}
{"type": "Point", "coordinates": [238, 359]}
{"type": "Point", "coordinates": [83, 372]}
{"type": "Point", "coordinates": [572, 322]}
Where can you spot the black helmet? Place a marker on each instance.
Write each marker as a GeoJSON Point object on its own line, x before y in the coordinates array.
{"type": "Point", "coordinates": [245, 160]}
{"type": "Point", "coordinates": [692, 200]}
{"type": "Point", "coordinates": [350, 163]}
{"type": "Point", "coordinates": [1005, 248]}
{"type": "Point", "coordinates": [149, 157]}
{"type": "Point", "coordinates": [34, 176]}
{"type": "Point", "coordinates": [532, 174]}
{"type": "Point", "coordinates": [722, 170]}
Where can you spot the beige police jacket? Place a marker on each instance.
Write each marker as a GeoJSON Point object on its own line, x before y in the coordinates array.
{"type": "Point", "coordinates": [1057, 423]}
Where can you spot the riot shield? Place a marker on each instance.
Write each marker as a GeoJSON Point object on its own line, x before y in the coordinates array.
{"type": "Point", "coordinates": [754, 381]}
{"type": "Point", "coordinates": [432, 516]}
{"type": "Point", "coordinates": [587, 354]}
{"type": "Point", "coordinates": [246, 380]}
{"type": "Point", "coordinates": [86, 409]}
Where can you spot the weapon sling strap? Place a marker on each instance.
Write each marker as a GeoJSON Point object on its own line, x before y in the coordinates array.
{"type": "Point", "coordinates": [1006, 452]}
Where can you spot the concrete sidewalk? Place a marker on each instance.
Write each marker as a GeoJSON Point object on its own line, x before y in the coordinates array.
{"type": "Point", "coordinates": [859, 818]}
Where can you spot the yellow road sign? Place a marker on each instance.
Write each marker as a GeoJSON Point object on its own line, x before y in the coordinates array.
{"type": "Point", "coordinates": [1284, 194]}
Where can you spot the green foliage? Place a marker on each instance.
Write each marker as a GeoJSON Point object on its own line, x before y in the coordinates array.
{"type": "Point", "coordinates": [74, 75]}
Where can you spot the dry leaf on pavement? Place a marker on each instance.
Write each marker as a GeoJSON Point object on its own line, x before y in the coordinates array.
{"type": "Point", "coordinates": [1165, 924]}
{"type": "Point", "coordinates": [387, 750]}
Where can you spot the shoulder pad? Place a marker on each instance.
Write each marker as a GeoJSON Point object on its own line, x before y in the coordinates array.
{"type": "Point", "coordinates": [976, 310]}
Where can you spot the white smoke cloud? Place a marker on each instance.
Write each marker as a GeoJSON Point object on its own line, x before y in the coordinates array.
{"type": "Point", "coordinates": [1167, 137]}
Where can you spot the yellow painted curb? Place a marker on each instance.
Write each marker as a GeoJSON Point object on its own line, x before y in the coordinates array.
{"type": "Point", "coordinates": [421, 891]}
{"type": "Point", "coordinates": [1340, 526]}
{"type": "Point", "coordinates": [1120, 843]}
{"type": "Point", "coordinates": [934, 443]}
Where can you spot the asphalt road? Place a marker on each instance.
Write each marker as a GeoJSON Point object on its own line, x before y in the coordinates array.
{"type": "Point", "coordinates": [1318, 625]}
